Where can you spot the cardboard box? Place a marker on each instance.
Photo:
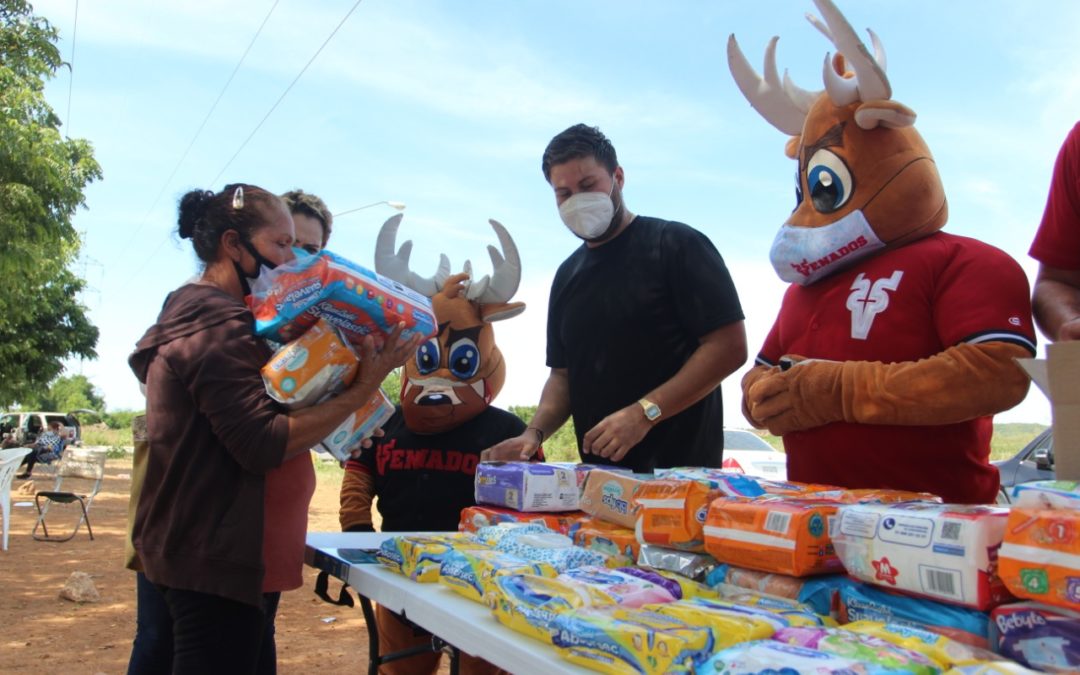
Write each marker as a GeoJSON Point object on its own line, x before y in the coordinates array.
{"type": "Point", "coordinates": [1057, 376]}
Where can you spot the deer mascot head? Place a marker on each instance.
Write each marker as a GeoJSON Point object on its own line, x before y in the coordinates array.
{"type": "Point", "coordinates": [456, 374]}
{"type": "Point", "coordinates": [866, 181]}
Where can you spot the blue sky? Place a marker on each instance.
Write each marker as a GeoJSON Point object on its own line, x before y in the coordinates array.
{"type": "Point", "coordinates": [447, 106]}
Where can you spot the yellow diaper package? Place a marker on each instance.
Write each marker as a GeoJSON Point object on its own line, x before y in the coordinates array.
{"type": "Point", "coordinates": [944, 651]}
{"type": "Point", "coordinates": [630, 641]}
{"type": "Point", "coordinates": [796, 613]}
{"type": "Point", "coordinates": [418, 556]}
{"type": "Point", "coordinates": [728, 628]}
{"type": "Point", "coordinates": [529, 604]}
{"type": "Point", "coordinates": [470, 571]}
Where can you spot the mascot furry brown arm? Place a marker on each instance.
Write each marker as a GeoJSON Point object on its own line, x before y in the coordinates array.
{"type": "Point", "coordinates": [888, 323]}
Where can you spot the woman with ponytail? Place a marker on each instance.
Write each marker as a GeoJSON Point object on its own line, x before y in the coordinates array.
{"type": "Point", "coordinates": [214, 432]}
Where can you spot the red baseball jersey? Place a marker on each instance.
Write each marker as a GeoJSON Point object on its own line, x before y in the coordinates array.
{"type": "Point", "coordinates": [904, 305]}
{"type": "Point", "coordinates": [1057, 243]}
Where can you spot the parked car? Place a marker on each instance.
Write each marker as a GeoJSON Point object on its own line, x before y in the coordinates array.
{"type": "Point", "coordinates": [22, 428]}
{"type": "Point", "coordinates": [746, 452]}
{"type": "Point", "coordinates": [1035, 461]}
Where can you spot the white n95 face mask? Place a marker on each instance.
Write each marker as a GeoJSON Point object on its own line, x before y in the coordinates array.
{"type": "Point", "coordinates": [802, 255]}
{"type": "Point", "coordinates": [589, 215]}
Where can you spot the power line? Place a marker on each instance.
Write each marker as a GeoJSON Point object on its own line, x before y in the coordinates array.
{"type": "Point", "coordinates": [285, 93]}
{"type": "Point", "coordinates": [199, 131]}
{"type": "Point", "coordinates": [71, 71]}
{"type": "Point", "coordinates": [146, 260]}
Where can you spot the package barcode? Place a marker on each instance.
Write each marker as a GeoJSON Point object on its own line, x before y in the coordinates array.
{"type": "Point", "coordinates": [777, 522]}
{"type": "Point", "coordinates": [941, 582]}
{"type": "Point", "coordinates": [951, 529]}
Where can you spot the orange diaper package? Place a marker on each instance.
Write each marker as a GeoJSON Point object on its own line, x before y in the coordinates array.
{"type": "Point", "coordinates": [1040, 555]}
{"type": "Point", "coordinates": [475, 517]}
{"type": "Point", "coordinates": [311, 368]}
{"type": "Point", "coordinates": [867, 496]}
{"type": "Point", "coordinates": [673, 513]}
{"type": "Point", "coordinates": [599, 535]}
{"type": "Point", "coordinates": [609, 495]}
{"type": "Point", "coordinates": [784, 536]}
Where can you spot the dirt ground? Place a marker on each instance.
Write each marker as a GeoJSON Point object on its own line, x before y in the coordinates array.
{"type": "Point", "coordinates": [42, 633]}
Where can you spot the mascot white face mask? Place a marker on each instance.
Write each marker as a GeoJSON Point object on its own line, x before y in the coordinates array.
{"type": "Point", "coordinates": [802, 255]}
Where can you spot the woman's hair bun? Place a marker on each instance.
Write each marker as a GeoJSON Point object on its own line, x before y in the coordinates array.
{"type": "Point", "coordinates": [192, 209]}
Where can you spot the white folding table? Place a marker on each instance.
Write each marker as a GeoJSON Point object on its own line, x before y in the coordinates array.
{"type": "Point", "coordinates": [460, 623]}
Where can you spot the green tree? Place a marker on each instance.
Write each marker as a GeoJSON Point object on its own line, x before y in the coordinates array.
{"type": "Point", "coordinates": [561, 446]}
{"type": "Point", "coordinates": [392, 386]}
{"type": "Point", "coordinates": [73, 393]}
{"type": "Point", "coordinates": [42, 178]}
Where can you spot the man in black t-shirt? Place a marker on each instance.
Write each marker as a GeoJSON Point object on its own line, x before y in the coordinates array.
{"type": "Point", "coordinates": [643, 325]}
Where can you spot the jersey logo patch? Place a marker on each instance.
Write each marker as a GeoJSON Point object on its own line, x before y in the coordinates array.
{"type": "Point", "coordinates": [867, 300]}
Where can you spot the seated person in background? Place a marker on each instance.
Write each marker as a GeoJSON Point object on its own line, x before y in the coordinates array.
{"type": "Point", "coordinates": [423, 468]}
{"type": "Point", "coordinates": [48, 448]}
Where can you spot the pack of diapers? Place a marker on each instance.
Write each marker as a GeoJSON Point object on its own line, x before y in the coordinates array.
{"type": "Point", "coordinates": [536, 543]}
{"type": "Point", "coordinates": [770, 656]}
{"type": "Point", "coordinates": [1047, 494]}
{"type": "Point", "coordinates": [728, 627]}
{"type": "Point", "coordinates": [475, 517]}
{"type": "Point", "coordinates": [696, 566]}
{"type": "Point", "coordinates": [419, 557]}
{"type": "Point", "coordinates": [943, 650]}
{"type": "Point", "coordinates": [527, 486]}
{"type": "Point", "coordinates": [727, 483]}
{"type": "Point", "coordinates": [863, 602]}
{"type": "Point", "coordinates": [311, 368]}
{"type": "Point", "coordinates": [821, 593]}
{"type": "Point", "coordinates": [1040, 557]}
{"type": "Point", "coordinates": [361, 424]}
{"type": "Point", "coordinates": [673, 513]}
{"type": "Point", "coordinates": [612, 540]}
{"type": "Point", "coordinates": [290, 298]}
{"type": "Point", "coordinates": [860, 647]}
{"type": "Point", "coordinates": [992, 668]}
{"type": "Point", "coordinates": [529, 604]}
{"type": "Point", "coordinates": [781, 535]}
{"type": "Point", "coordinates": [679, 586]}
{"type": "Point", "coordinates": [868, 496]}
{"type": "Point", "coordinates": [617, 640]}
{"type": "Point", "coordinates": [944, 552]}
{"type": "Point", "coordinates": [609, 496]}
{"type": "Point", "coordinates": [791, 612]}
{"type": "Point", "coordinates": [1037, 635]}
{"type": "Point", "coordinates": [624, 589]}
{"type": "Point", "coordinates": [470, 571]}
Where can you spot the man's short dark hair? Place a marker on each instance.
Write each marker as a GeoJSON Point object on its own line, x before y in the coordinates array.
{"type": "Point", "coordinates": [579, 141]}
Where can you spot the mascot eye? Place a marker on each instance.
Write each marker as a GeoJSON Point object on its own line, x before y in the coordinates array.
{"type": "Point", "coordinates": [829, 181]}
{"type": "Point", "coordinates": [427, 357]}
{"type": "Point", "coordinates": [464, 359]}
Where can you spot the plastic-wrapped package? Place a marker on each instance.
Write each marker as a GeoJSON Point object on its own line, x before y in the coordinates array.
{"type": "Point", "coordinates": [609, 496]}
{"type": "Point", "coordinates": [419, 556]}
{"type": "Point", "coordinates": [681, 587]}
{"type": "Point", "coordinates": [1037, 635]}
{"type": "Point", "coordinates": [727, 483]}
{"type": "Point", "coordinates": [625, 590]}
{"type": "Point", "coordinates": [1047, 494]}
{"type": "Point", "coordinates": [613, 540]}
{"type": "Point", "coordinates": [946, 552]}
{"type": "Point", "coordinates": [769, 656]}
{"type": "Point", "coordinates": [943, 650]}
{"type": "Point", "coordinates": [288, 299]}
{"type": "Point", "coordinates": [859, 647]}
{"type": "Point", "coordinates": [820, 593]}
{"type": "Point", "coordinates": [311, 368]}
{"type": "Point", "coordinates": [529, 604]}
{"type": "Point", "coordinates": [527, 486]}
{"type": "Point", "coordinates": [470, 571]}
{"type": "Point", "coordinates": [616, 640]}
{"type": "Point", "coordinates": [359, 425]}
{"type": "Point", "coordinates": [1040, 559]}
{"type": "Point", "coordinates": [696, 566]}
{"type": "Point", "coordinates": [728, 627]}
{"type": "Point", "coordinates": [673, 513]}
{"type": "Point", "coordinates": [863, 602]}
{"type": "Point", "coordinates": [536, 543]}
{"type": "Point", "coordinates": [475, 517]}
{"type": "Point", "coordinates": [787, 536]}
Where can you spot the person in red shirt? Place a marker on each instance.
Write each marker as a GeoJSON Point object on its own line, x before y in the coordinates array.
{"type": "Point", "coordinates": [1057, 248]}
{"type": "Point", "coordinates": [896, 343]}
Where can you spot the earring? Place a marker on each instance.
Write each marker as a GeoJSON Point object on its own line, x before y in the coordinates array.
{"type": "Point", "coordinates": [238, 198]}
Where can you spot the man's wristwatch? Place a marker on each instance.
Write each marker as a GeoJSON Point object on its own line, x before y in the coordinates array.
{"type": "Point", "coordinates": [652, 411]}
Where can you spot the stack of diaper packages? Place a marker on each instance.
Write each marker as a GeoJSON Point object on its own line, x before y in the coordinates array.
{"type": "Point", "coordinates": [317, 366]}
{"type": "Point", "coordinates": [1040, 562]}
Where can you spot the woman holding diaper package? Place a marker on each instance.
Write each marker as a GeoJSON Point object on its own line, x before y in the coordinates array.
{"type": "Point", "coordinates": [214, 432]}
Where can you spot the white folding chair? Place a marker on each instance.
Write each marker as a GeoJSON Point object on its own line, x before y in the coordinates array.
{"type": "Point", "coordinates": [86, 469]}
{"type": "Point", "coordinates": [10, 460]}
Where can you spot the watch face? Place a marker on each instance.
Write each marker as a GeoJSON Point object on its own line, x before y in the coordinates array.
{"type": "Point", "coordinates": [652, 411]}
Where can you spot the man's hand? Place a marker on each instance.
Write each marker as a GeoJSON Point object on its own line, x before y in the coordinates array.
{"type": "Point", "coordinates": [617, 433]}
{"type": "Point", "coordinates": [517, 449]}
